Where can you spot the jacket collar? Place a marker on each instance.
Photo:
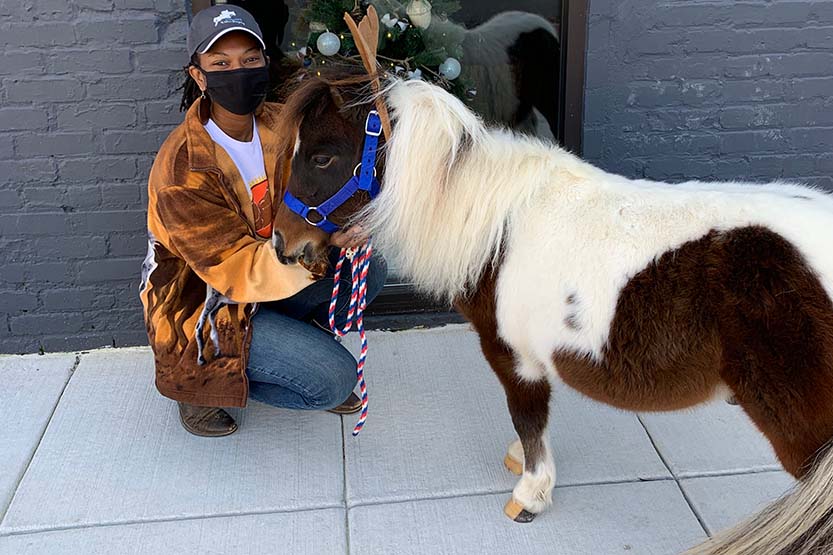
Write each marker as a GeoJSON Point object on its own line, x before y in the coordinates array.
{"type": "Point", "coordinates": [203, 155]}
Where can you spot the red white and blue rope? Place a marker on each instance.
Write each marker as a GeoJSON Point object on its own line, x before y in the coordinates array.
{"type": "Point", "coordinates": [360, 263]}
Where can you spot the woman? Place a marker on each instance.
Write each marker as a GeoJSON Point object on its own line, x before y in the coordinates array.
{"type": "Point", "coordinates": [211, 194]}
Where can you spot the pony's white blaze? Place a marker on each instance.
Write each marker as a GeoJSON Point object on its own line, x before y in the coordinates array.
{"type": "Point", "coordinates": [457, 196]}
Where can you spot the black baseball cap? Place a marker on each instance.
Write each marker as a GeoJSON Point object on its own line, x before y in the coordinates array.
{"type": "Point", "coordinates": [212, 23]}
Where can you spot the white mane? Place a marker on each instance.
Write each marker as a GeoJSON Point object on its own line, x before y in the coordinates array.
{"type": "Point", "coordinates": [451, 186]}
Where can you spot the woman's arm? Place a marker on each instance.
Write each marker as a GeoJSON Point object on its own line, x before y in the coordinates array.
{"type": "Point", "coordinates": [214, 241]}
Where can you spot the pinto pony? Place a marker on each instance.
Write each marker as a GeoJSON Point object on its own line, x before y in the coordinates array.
{"type": "Point", "coordinates": [642, 295]}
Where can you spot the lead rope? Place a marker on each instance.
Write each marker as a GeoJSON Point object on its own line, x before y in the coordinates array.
{"type": "Point", "coordinates": [360, 263]}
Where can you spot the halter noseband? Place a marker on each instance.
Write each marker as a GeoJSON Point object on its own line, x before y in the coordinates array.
{"type": "Point", "coordinates": [364, 180]}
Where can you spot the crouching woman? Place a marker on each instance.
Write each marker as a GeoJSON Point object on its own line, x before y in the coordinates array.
{"type": "Point", "coordinates": [211, 198]}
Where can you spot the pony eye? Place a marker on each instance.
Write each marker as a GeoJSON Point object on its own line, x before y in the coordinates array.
{"type": "Point", "coordinates": [322, 161]}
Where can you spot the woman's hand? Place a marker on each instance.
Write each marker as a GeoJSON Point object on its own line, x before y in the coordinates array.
{"type": "Point", "coordinates": [349, 238]}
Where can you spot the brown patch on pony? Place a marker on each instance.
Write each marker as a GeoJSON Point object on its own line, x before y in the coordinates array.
{"type": "Point", "coordinates": [571, 321]}
{"type": "Point", "coordinates": [741, 307]}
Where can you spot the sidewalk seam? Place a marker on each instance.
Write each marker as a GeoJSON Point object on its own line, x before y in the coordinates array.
{"type": "Point", "coordinates": [4, 509]}
{"type": "Point", "coordinates": [674, 477]}
{"type": "Point", "coordinates": [133, 522]}
{"type": "Point", "coordinates": [344, 488]}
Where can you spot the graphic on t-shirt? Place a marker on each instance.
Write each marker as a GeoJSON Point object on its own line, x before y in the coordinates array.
{"type": "Point", "coordinates": [262, 206]}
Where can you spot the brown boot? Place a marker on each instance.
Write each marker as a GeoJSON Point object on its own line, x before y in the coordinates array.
{"type": "Point", "coordinates": [351, 405]}
{"type": "Point", "coordinates": [206, 421]}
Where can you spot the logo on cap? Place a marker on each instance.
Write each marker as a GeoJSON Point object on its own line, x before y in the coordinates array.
{"type": "Point", "coordinates": [226, 17]}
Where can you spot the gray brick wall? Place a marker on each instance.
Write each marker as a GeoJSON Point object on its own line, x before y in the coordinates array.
{"type": "Point", "coordinates": [87, 94]}
{"type": "Point", "coordinates": [677, 89]}
{"type": "Point", "coordinates": [717, 89]}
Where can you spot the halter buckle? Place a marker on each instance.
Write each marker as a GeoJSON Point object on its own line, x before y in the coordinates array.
{"type": "Point", "coordinates": [367, 129]}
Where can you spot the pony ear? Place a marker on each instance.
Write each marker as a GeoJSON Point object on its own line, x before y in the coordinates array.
{"type": "Point", "coordinates": [366, 37]}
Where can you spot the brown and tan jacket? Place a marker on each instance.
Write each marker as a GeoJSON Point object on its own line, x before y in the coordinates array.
{"type": "Point", "coordinates": [201, 230]}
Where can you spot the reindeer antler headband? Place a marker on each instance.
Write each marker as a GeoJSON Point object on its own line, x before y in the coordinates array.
{"type": "Point", "coordinates": [366, 37]}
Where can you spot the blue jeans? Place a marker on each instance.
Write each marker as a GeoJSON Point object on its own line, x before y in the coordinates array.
{"type": "Point", "coordinates": [294, 363]}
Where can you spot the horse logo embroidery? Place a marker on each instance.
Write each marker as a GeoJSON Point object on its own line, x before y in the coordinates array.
{"type": "Point", "coordinates": [224, 15]}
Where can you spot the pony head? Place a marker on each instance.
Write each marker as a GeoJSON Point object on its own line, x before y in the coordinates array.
{"type": "Point", "coordinates": [323, 121]}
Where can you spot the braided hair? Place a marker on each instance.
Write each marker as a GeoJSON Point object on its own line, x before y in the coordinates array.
{"type": "Point", "coordinates": [190, 90]}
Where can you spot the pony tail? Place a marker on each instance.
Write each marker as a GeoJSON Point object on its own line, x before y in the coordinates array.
{"type": "Point", "coordinates": [800, 523]}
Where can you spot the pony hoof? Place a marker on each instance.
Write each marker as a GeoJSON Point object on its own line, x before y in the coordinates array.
{"type": "Point", "coordinates": [732, 400]}
{"type": "Point", "coordinates": [200, 360]}
{"type": "Point", "coordinates": [513, 465]}
{"type": "Point", "coordinates": [516, 512]}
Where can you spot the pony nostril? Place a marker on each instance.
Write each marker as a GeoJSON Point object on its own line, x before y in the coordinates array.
{"type": "Point", "coordinates": [278, 244]}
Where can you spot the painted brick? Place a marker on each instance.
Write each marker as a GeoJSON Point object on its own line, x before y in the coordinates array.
{"type": "Point", "coordinates": [161, 58]}
{"type": "Point", "coordinates": [96, 116]}
{"type": "Point", "coordinates": [122, 196]}
{"type": "Point", "coordinates": [164, 112]}
{"type": "Point", "coordinates": [105, 221]}
{"type": "Point", "coordinates": [111, 269]}
{"type": "Point", "coordinates": [6, 146]}
{"type": "Point", "coordinates": [71, 247]}
{"type": "Point", "coordinates": [98, 168]}
{"type": "Point", "coordinates": [78, 342]}
{"type": "Point", "coordinates": [128, 244]}
{"type": "Point", "coordinates": [139, 30]}
{"type": "Point", "coordinates": [16, 61]}
{"type": "Point", "coordinates": [29, 119]}
{"type": "Point", "coordinates": [144, 87]}
{"type": "Point", "coordinates": [37, 34]}
{"type": "Point", "coordinates": [98, 5]}
{"type": "Point", "coordinates": [43, 90]}
{"type": "Point", "coordinates": [38, 170]}
{"type": "Point", "coordinates": [122, 142]}
{"type": "Point", "coordinates": [76, 299]}
{"type": "Point", "coordinates": [34, 224]}
{"type": "Point", "coordinates": [10, 201]}
{"type": "Point", "coordinates": [17, 301]}
{"type": "Point", "coordinates": [52, 144]}
{"type": "Point", "coordinates": [49, 198]}
{"type": "Point", "coordinates": [93, 59]}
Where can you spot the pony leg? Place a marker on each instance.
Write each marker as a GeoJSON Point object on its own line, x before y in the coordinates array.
{"type": "Point", "coordinates": [529, 407]}
{"type": "Point", "coordinates": [528, 402]}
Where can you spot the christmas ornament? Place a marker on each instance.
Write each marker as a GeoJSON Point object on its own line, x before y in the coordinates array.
{"type": "Point", "coordinates": [419, 12]}
{"type": "Point", "coordinates": [328, 43]}
{"type": "Point", "coordinates": [415, 74]}
{"type": "Point", "coordinates": [450, 69]}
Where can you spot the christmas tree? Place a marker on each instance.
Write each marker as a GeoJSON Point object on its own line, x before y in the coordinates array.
{"type": "Point", "coordinates": [417, 40]}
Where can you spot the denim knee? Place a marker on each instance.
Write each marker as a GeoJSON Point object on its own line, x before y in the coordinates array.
{"type": "Point", "coordinates": [337, 389]}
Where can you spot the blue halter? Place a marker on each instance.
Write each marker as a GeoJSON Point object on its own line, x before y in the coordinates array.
{"type": "Point", "coordinates": [364, 180]}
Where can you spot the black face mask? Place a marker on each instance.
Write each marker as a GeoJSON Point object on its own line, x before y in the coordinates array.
{"type": "Point", "coordinates": [240, 91]}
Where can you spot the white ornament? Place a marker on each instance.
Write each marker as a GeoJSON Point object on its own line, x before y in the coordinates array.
{"type": "Point", "coordinates": [415, 74]}
{"type": "Point", "coordinates": [328, 43]}
{"type": "Point", "coordinates": [391, 22]}
{"type": "Point", "coordinates": [388, 21]}
{"type": "Point", "coordinates": [419, 12]}
{"type": "Point", "coordinates": [450, 69]}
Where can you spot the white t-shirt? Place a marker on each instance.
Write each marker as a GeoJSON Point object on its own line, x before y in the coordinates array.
{"type": "Point", "coordinates": [248, 157]}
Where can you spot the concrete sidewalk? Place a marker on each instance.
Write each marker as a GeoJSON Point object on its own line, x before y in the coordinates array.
{"type": "Point", "coordinates": [94, 460]}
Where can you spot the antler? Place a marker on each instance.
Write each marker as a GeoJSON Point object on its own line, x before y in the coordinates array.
{"type": "Point", "coordinates": [366, 37]}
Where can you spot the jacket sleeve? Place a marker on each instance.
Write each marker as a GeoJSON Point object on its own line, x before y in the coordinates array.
{"type": "Point", "coordinates": [216, 243]}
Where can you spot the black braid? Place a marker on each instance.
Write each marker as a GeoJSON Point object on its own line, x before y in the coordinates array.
{"type": "Point", "coordinates": [190, 90]}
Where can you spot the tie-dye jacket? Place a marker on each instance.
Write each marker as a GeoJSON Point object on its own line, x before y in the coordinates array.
{"type": "Point", "coordinates": [201, 230]}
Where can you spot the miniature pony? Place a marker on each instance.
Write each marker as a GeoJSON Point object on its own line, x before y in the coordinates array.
{"type": "Point", "coordinates": [642, 295]}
